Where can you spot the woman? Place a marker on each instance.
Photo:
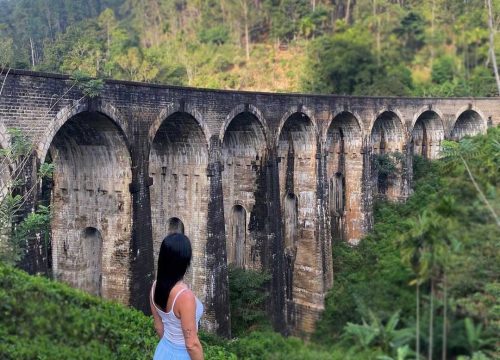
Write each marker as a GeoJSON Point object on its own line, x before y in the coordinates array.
{"type": "Point", "coordinates": [176, 310]}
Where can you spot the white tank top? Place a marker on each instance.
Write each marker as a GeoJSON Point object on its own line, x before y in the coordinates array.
{"type": "Point", "coordinates": [172, 329]}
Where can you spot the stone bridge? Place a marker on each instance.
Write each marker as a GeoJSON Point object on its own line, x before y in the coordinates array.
{"type": "Point", "coordinates": [259, 180]}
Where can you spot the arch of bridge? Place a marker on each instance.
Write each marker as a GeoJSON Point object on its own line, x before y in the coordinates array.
{"type": "Point", "coordinates": [423, 110]}
{"type": "Point", "coordinates": [305, 111]}
{"type": "Point", "coordinates": [240, 109]}
{"type": "Point", "coordinates": [396, 115]}
{"type": "Point", "coordinates": [462, 120]}
{"type": "Point", "coordinates": [177, 107]}
{"type": "Point", "coordinates": [92, 174]}
{"type": "Point", "coordinates": [390, 124]}
{"type": "Point", "coordinates": [352, 128]}
{"type": "Point", "coordinates": [178, 159]}
{"type": "Point", "coordinates": [70, 111]}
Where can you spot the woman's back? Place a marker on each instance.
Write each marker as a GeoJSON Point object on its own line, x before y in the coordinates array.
{"type": "Point", "coordinates": [176, 311]}
{"type": "Point", "coordinates": [172, 329]}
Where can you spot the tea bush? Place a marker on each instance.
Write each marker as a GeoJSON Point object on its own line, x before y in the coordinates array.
{"type": "Point", "coordinates": [43, 319]}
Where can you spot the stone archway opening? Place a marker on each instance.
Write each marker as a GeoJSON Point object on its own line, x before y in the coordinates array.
{"type": "Point", "coordinates": [237, 246]}
{"type": "Point", "coordinates": [178, 162]}
{"type": "Point", "coordinates": [387, 148]}
{"type": "Point", "coordinates": [337, 195]}
{"type": "Point", "coordinates": [175, 226]}
{"type": "Point", "coordinates": [296, 153]}
{"type": "Point", "coordinates": [90, 256]}
{"type": "Point", "coordinates": [297, 175]}
{"type": "Point", "coordinates": [291, 242]}
{"type": "Point", "coordinates": [344, 172]}
{"type": "Point", "coordinates": [469, 123]}
{"type": "Point", "coordinates": [90, 190]}
{"type": "Point", "coordinates": [290, 222]}
{"type": "Point", "coordinates": [427, 134]}
{"type": "Point", "coordinates": [244, 150]}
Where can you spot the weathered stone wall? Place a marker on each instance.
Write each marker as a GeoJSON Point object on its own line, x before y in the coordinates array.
{"type": "Point", "coordinates": [243, 151]}
{"type": "Point", "coordinates": [265, 181]}
{"type": "Point", "coordinates": [179, 194]}
{"type": "Point", "coordinates": [297, 177]}
{"type": "Point", "coordinates": [91, 224]}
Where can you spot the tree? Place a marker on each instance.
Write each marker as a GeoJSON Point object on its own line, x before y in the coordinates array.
{"type": "Point", "coordinates": [341, 64]}
{"type": "Point", "coordinates": [384, 335]}
{"type": "Point", "coordinates": [6, 52]}
{"type": "Point", "coordinates": [15, 230]}
{"type": "Point", "coordinates": [136, 66]}
{"type": "Point", "coordinates": [492, 45]}
{"type": "Point", "coordinates": [462, 151]}
{"type": "Point", "coordinates": [425, 248]}
{"type": "Point", "coordinates": [248, 296]}
{"type": "Point", "coordinates": [411, 34]}
{"type": "Point", "coordinates": [443, 70]}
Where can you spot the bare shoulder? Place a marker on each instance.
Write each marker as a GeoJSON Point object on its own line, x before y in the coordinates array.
{"type": "Point", "coordinates": [186, 297]}
{"type": "Point", "coordinates": [185, 303]}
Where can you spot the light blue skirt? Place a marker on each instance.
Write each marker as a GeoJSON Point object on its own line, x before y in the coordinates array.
{"type": "Point", "coordinates": [166, 350]}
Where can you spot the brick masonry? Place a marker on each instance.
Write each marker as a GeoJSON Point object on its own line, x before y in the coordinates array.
{"type": "Point", "coordinates": [264, 181]}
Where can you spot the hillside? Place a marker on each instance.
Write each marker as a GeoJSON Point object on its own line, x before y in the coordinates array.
{"type": "Point", "coordinates": [443, 239]}
{"type": "Point", "coordinates": [368, 47]}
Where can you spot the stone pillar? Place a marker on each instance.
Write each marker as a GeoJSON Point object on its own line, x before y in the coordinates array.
{"type": "Point", "coordinates": [367, 184]}
{"type": "Point", "coordinates": [217, 299]}
{"type": "Point", "coordinates": [274, 255]}
{"type": "Point", "coordinates": [324, 218]}
{"type": "Point", "coordinates": [407, 171]}
{"type": "Point", "coordinates": [141, 247]}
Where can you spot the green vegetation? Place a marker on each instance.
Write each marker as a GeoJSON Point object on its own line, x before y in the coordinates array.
{"type": "Point", "coordinates": [247, 290]}
{"type": "Point", "coordinates": [45, 319]}
{"type": "Point", "coordinates": [369, 47]}
{"type": "Point", "coordinates": [439, 249]}
{"type": "Point", "coordinates": [429, 271]}
{"type": "Point", "coordinates": [15, 228]}
{"type": "Point", "coordinates": [42, 319]}
{"type": "Point", "coordinates": [424, 282]}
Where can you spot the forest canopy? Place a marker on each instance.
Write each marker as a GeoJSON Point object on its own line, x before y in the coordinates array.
{"type": "Point", "coordinates": [367, 47]}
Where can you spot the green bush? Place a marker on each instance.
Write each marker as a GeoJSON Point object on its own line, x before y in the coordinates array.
{"type": "Point", "coordinates": [43, 319]}
{"type": "Point", "coordinates": [248, 294]}
{"type": "Point", "coordinates": [271, 345]}
{"type": "Point", "coordinates": [218, 34]}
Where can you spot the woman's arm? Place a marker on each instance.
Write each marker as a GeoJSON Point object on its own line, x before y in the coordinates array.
{"type": "Point", "coordinates": [156, 318]}
{"type": "Point", "coordinates": [186, 305]}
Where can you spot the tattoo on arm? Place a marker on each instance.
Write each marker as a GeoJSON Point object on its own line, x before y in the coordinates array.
{"type": "Point", "coordinates": [187, 333]}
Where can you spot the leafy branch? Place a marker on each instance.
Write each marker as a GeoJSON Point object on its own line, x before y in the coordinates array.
{"type": "Point", "coordinates": [90, 87]}
{"type": "Point", "coordinates": [388, 163]}
{"type": "Point", "coordinates": [463, 151]}
{"type": "Point", "coordinates": [13, 234]}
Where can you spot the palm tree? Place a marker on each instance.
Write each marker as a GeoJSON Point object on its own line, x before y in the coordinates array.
{"type": "Point", "coordinates": [411, 245]}
{"type": "Point", "coordinates": [385, 335]}
{"type": "Point", "coordinates": [425, 248]}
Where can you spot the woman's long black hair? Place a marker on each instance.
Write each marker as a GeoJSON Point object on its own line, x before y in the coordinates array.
{"type": "Point", "coordinates": [173, 261]}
